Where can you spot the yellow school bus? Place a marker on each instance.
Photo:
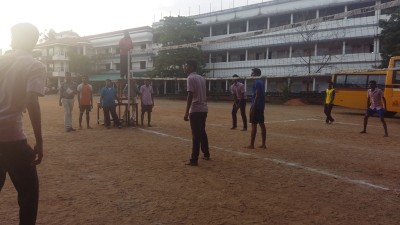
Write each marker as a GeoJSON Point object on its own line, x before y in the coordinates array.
{"type": "Point", "coordinates": [351, 87]}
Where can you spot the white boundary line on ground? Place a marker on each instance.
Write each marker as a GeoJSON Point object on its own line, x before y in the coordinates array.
{"type": "Point", "coordinates": [296, 120]}
{"type": "Point", "coordinates": [286, 163]}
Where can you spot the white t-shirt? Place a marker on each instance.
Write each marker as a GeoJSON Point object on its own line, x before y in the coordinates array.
{"type": "Point", "coordinates": [146, 93]}
{"type": "Point", "coordinates": [19, 74]}
{"type": "Point", "coordinates": [197, 85]}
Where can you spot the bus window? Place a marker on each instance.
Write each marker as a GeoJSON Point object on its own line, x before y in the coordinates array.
{"type": "Point", "coordinates": [356, 81]}
{"type": "Point", "coordinates": [340, 80]}
{"type": "Point", "coordinates": [380, 80]}
{"type": "Point", "coordinates": [396, 77]}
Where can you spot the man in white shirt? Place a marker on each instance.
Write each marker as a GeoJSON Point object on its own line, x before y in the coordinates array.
{"type": "Point", "coordinates": [22, 80]}
{"type": "Point", "coordinates": [147, 101]}
{"type": "Point", "coordinates": [239, 102]}
{"type": "Point", "coordinates": [196, 111]}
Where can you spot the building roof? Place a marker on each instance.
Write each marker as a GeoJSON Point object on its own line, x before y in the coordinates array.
{"type": "Point", "coordinates": [69, 41]}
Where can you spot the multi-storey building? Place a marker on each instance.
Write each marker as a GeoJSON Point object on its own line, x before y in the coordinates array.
{"type": "Point", "coordinates": [102, 49]}
{"type": "Point", "coordinates": [296, 43]}
{"type": "Point", "coordinates": [273, 37]}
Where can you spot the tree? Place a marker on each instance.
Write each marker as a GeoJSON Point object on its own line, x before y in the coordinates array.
{"type": "Point", "coordinates": [390, 38]}
{"type": "Point", "coordinates": [80, 64]}
{"type": "Point", "coordinates": [47, 35]}
{"type": "Point", "coordinates": [177, 31]}
{"type": "Point", "coordinates": [309, 36]}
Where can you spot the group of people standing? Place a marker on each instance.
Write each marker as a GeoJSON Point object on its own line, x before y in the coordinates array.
{"type": "Point", "coordinates": [196, 110]}
{"type": "Point", "coordinates": [22, 81]}
{"type": "Point", "coordinates": [108, 99]}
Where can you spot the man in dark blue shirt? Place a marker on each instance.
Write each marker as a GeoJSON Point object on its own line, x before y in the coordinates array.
{"type": "Point", "coordinates": [257, 110]}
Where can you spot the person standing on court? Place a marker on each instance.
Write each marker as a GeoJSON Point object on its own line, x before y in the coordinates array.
{"type": "Point", "coordinates": [329, 97]}
{"type": "Point", "coordinates": [147, 101]}
{"type": "Point", "coordinates": [67, 94]}
{"type": "Point", "coordinates": [108, 95]}
{"type": "Point", "coordinates": [196, 112]}
{"type": "Point", "coordinates": [22, 80]}
{"type": "Point", "coordinates": [376, 104]}
{"type": "Point", "coordinates": [239, 102]}
{"type": "Point", "coordinates": [257, 110]}
{"type": "Point", "coordinates": [125, 45]}
{"type": "Point", "coordinates": [134, 90]}
{"type": "Point", "coordinates": [85, 101]}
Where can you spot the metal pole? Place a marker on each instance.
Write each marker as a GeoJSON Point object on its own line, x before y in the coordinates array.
{"type": "Point", "coordinates": [129, 89]}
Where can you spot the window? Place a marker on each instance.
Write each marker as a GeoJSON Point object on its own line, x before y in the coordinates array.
{"type": "Point", "coordinates": [143, 46]}
{"type": "Point", "coordinates": [142, 65]}
{"type": "Point", "coordinates": [340, 81]}
{"type": "Point", "coordinates": [396, 77]}
{"type": "Point", "coordinates": [356, 81]}
{"type": "Point", "coordinates": [380, 80]}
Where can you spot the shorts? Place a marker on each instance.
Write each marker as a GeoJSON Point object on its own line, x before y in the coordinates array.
{"type": "Point", "coordinates": [84, 108]}
{"type": "Point", "coordinates": [257, 116]}
{"type": "Point", "coordinates": [147, 108]}
{"type": "Point", "coordinates": [379, 112]}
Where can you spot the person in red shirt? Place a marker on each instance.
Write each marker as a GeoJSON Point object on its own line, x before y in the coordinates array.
{"type": "Point", "coordinates": [125, 44]}
{"type": "Point", "coordinates": [85, 100]}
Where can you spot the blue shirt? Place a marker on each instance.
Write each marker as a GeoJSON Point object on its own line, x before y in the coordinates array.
{"type": "Point", "coordinates": [108, 96]}
{"type": "Point", "coordinates": [260, 104]}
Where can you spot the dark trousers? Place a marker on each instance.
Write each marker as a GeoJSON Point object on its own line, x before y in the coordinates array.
{"type": "Point", "coordinates": [107, 110]}
{"type": "Point", "coordinates": [328, 111]}
{"type": "Point", "coordinates": [199, 135]}
{"type": "Point", "coordinates": [242, 106]}
{"type": "Point", "coordinates": [15, 159]}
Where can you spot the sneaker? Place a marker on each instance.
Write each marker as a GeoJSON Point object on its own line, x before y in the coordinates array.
{"type": "Point", "coordinates": [206, 158]}
{"type": "Point", "coordinates": [232, 128]}
{"type": "Point", "coordinates": [190, 163]}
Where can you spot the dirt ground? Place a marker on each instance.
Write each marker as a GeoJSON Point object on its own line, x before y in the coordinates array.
{"type": "Point", "coordinates": [311, 172]}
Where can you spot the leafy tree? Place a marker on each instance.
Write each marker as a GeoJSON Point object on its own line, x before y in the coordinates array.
{"type": "Point", "coordinates": [177, 31]}
{"type": "Point", "coordinates": [80, 64]}
{"type": "Point", "coordinates": [390, 38]}
{"type": "Point", "coordinates": [47, 35]}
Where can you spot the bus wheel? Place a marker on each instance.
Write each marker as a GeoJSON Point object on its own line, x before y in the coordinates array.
{"type": "Point", "coordinates": [389, 114]}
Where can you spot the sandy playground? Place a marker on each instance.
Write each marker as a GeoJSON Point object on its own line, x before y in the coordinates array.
{"type": "Point", "coordinates": [311, 173]}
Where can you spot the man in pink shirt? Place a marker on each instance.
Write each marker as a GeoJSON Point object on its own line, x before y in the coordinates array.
{"type": "Point", "coordinates": [22, 80]}
{"type": "Point", "coordinates": [239, 102]}
{"type": "Point", "coordinates": [196, 111]}
{"type": "Point", "coordinates": [376, 103]}
{"type": "Point", "coordinates": [125, 45]}
{"type": "Point", "coordinates": [147, 101]}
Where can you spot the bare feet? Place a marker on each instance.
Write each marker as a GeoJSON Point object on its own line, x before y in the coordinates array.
{"type": "Point", "coordinates": [250, 147]}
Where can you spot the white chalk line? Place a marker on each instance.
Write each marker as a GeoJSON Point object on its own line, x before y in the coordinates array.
{"type": "Point", "coordinates": [296, 120]}
{"type": "Point", "coordinates": [286, 163]}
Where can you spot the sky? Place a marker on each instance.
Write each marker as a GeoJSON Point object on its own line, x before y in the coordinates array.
{"type": "Point", "coordinates": [94, 17]}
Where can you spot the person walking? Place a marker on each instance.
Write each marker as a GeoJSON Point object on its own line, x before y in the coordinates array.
{"type": "Point", "coordinates": [147, 101]}
{"type": "Point", "coordinates": [329, 97]}
{"type": "Point", "coordinates": [22, 80]}
{"type": "Point", "coordinates": [257, 110]}
{"type": "Point", "coordinates": [85, 101]}
{"type": "Point", "coordinates": [108, 95]}
{"type": "Point", "coordinates": [196, 112]}
{"type": "Point", "coordinates": [239, 102]}
{"type": "Point", "coordinates": [67, 94]}
{"type": "Point", "coordinates": [376, 104]}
